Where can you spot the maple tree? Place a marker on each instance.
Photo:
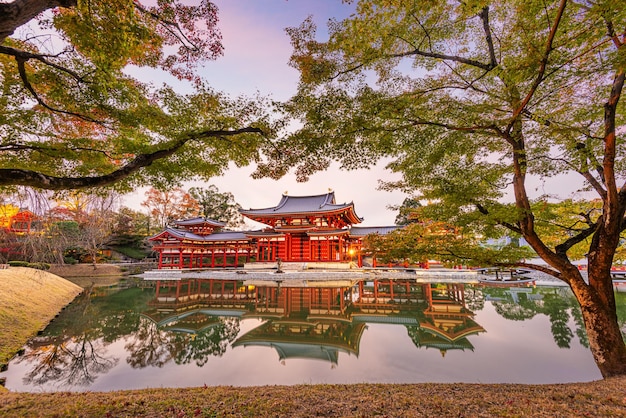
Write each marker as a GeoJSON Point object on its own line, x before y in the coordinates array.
{"type": "Point", "coordinates": [170, 205]}
{"type": "Point", "coordinates": [472, 100]}
{"type": "Point", "coordinates": [73, 116]}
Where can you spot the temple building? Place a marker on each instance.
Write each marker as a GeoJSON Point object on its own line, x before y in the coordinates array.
{"type": "Point", "coordinates": [298, 229]}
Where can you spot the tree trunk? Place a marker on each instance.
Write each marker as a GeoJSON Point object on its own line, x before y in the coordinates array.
{"type": "Point", "coordinates": [603, 332]}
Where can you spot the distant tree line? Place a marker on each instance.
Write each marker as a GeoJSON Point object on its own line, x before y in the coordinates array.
{"type": "Point", "coordinates": [75, 226]}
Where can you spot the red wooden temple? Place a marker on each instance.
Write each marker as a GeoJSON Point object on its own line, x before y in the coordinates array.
{"type": "Point", "coordinates": [299, 229]}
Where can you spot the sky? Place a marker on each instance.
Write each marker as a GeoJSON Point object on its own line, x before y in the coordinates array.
{"type": "Point", "coordinates": [256, 56]}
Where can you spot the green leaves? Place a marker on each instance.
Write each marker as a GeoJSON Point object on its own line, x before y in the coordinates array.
{"type": "Point", "coordinates": [73, 117]}
{"type": "Point", "coordinates": [470, 99]}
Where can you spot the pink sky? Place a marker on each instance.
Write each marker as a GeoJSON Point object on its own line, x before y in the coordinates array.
{"type": "Point", "coordinates": [257, 51]}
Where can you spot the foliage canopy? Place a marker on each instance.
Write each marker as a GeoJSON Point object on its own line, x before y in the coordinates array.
{"type": "Point", "coordinates": [72, 116]}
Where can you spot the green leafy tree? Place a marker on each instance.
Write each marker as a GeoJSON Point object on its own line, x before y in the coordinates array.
{"type": "Point", "coordinates": [130, 227]}
{"type": "Point", "coordinates": [218, 206]}
{"type": "Point", "coordinates": [406, 211]}
{"type": "Point", "coordinates": [73, 116]}
{"type": "Point", "coordinates": [421, 241]}
{"type": "Point", "coordinates": [472, 99]}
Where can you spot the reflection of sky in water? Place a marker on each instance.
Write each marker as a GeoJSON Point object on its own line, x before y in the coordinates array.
{"type": "Point", "coordinates": [509, 351]}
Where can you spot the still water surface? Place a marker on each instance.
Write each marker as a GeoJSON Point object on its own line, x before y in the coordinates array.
{"type": "Point", "coordinates": [225, 332]}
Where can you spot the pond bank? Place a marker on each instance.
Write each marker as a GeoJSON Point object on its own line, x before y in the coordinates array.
{"type": "Point", "coordinates": [602, 398]}
{"type": "Point", "coordinates": [29, 300]}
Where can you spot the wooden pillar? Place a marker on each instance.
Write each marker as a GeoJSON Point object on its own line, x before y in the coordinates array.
{"type": "Point", "coordinates": [375, 290]}
{"type": "Point", "coordinates": [341, 298]}
{"type": "Point", "coordinates": [330, 298]}
{"type": "Point", "coordinates": [158, 288]}
{"type": "Point", "coordinates": [361, 290]}
{"type": "Point", "coordinates": [180, 257]}
{"type": "Point", "coordinates": [236, 254]}
{"type": "Point", "coordinates": [341, 253]}
{"type": "Point", "coordinates": [160, 258]}
{"type": "Point", "coordinates": [224, 259]}
{"type": "Point", "coordinates": [213, 257]}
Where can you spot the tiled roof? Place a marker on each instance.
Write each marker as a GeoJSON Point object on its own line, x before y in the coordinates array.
{"type": "Point", "coordinates": [300, 205]}
{"type": "Point", "coordinates": [199, 221]}
{"type": "Point", "coordinates": [324, 232]}
{"type": "Point", "coordinates": [216, 236]}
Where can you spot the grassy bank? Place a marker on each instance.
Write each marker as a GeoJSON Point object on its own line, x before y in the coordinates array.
{"type": "Point", "coordinates": [30, 298]}
{"type": "Point", "coordinates": [606, 398]}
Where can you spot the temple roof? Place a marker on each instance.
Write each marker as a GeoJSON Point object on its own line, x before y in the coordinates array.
{"type": "Point", "coordinates": [190, 236]}
{"type": "Point", "coordinates": [300, 205]}
{"type": "Point", "coordinates": [199, 221]}
{"type": "Point", "coordinates": [326, 232]}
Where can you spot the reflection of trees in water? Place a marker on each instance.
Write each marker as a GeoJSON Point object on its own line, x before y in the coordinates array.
{"type": "Point", "coordinates": [76, 362]}
{"type": "Point", "coordinates": [151, 346]}
{"type": "Point", "coordinates": [474, 298]}
{"type": "Point", "coordinates": [515, 311]}
{"type": "Point", "coordinates": [210, 342]}
{"type": "Point", "coordinates": [558, 305]}
{"type": "Point", "coordinates": [73, 349]}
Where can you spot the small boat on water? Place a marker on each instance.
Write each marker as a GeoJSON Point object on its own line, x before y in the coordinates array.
{"type": "Point", "coordinates": [504, 277]}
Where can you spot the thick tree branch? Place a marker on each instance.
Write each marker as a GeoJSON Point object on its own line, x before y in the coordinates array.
{"type": "Point", "coordinates": [445, 57]}
{"type": "Point", "coordinates": [19, 12]}
{"type": "Point", "coordinates": [561, 249]}
{"type": "Point", "coordinates": [543, 269]}
{"type": "Point", "coordinates": [10, 176]}
{"type": "Point", "coordinates": [22, 71]}
{"type": "Point", "coordinates": [484, 16]}
{"type": "Point", "coordinates": [25, 56]}
{"type": "Point", "coordinates": [507, 225]}
{"type": "Point", "coordinates": [610, 110]}
{"type": "Point", "coordinates": [469, 129]}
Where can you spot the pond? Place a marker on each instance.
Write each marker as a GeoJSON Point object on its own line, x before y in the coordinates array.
{"type": "Point", "coordinates": [224, 332]}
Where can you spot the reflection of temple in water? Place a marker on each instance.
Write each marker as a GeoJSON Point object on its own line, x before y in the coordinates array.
{"type": "Point", "coordinates": [317, 319]}
{"type": "Point", "coordinates": [447, 322]}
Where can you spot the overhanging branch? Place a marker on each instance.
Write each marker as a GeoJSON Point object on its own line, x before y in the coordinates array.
{"type": "Point", "coordinates": [24, 177]}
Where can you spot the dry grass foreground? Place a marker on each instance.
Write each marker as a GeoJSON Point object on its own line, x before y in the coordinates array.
{"type": "Point", "coordinates": [29, 299]}
{"type": "Point", "coordinates": [602, 398]}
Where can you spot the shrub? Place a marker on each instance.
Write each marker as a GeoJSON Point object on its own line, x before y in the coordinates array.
{"type": "Point", "coordinates": [16, 263]}
{"type": "Point", "coordinates": [39, 266]}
